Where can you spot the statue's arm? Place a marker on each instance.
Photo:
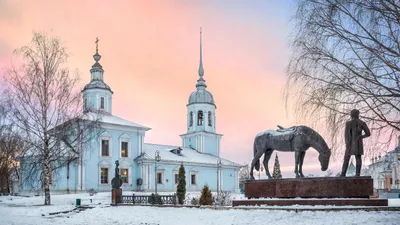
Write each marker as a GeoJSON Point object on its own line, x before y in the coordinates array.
{"type": "Point", "coordinates": [367, 132]}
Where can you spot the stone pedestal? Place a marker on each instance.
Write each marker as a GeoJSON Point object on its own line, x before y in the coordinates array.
{"type": "Point", "coordinates": [116, 196]}
{"type": "Point", "coordinates": [313, 202]}
{"type": "Point", "coordinates": [316, 187]}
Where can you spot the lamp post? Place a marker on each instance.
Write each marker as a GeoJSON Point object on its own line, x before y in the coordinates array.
{"type": "Point", "coordinates": [157, 158]}
{"type": "Point", "coordinates": [219, 165]}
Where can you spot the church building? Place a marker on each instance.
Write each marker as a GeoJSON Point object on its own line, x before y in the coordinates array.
{"type": "Point", "coordinates": [145, 166]}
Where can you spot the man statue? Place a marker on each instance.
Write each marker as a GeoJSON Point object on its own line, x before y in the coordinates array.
{"type": "Point", "coordinates": [116, 182]}
{"type": "Point", "coordinates": [354, 141]}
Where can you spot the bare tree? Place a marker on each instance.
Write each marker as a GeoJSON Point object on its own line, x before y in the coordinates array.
{"type": "Point", "coordinates": [47, 108]}
{"type": "Point", "coordinates": [346, 55]}
{"type": "Point", "coordinates": [244, 175]}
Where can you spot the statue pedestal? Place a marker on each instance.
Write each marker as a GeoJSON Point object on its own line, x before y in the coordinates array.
{"type": "Point", "coordinates": [314, 187]}
{"type": "Point", "coordinates": [116, 196]}
{"type": "Point", "coordinates": [328, 190]}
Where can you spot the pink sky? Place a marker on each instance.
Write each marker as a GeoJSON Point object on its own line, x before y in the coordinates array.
{"type": "Point", "coordinates": [150, 54]}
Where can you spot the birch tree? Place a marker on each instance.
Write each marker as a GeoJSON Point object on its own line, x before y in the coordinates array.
{"type": "Point", "coordinates": [346, 55]}
{"type": "Point", "coordinates": [45, 104]}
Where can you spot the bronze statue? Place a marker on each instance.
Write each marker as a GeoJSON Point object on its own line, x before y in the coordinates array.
{"type": "Point", "coordinates": [295, 139]}
{"type": "Point", "coordinates": [116, 182]}
{"type": "Point", "coordinates": [354, 141]}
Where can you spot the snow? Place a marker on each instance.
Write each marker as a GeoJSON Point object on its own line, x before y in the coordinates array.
{"type": "Point", "coordinates": [29, 211]}
{"type": "Point", "coordinates": [187, 155]}
{"type": "Point", "coordinates": [111, 119]}
{"type": "Point", "coordinates": [275, 132]}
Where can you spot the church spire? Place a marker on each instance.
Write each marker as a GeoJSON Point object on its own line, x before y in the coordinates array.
{"type": "Point", "coordinates": [97, 70]}
{"type": "Point", "coordinates": [201, 82]}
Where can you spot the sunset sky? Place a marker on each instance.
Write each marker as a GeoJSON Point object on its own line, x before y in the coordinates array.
{"type": "Point", "coordinates": [150, 54]}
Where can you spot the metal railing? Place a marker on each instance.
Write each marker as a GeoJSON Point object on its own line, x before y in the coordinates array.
{"type": "Point", "coordinates": [149, 199]}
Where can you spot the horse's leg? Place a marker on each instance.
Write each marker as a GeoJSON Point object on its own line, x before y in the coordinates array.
{"type": "Point", "coordinates": [267, 156]}
{"type": "Point", "coordinates": [256, 158]}
{"type": "Point", "coordinates": [296, 162]}
{"type": "Point", "coordinates": [302, 154]}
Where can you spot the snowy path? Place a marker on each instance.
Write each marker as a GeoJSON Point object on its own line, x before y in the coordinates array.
{"type": "Point", "coordinates": [22, 211]}
{"type": "Point", "coordinates": [176, 216]}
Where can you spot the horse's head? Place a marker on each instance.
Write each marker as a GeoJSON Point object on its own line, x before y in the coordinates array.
{"type": "Point", "coordinates": [324, 159]}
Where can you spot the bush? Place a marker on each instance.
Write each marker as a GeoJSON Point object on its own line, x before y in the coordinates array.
{"type": "Point", "coordinates": [92, 192]}
{"type": "Point", "coordinates": [194, 201]}
{"type": "Point", "coordinates": [155, 199]}
{"type": "Point", "coordinates": [224, 198]}
{"type": "Point", "coordinates": [206, 196]}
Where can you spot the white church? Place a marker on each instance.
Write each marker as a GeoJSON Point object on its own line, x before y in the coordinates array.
{"type": "Point", "coordinates": [145, 166]}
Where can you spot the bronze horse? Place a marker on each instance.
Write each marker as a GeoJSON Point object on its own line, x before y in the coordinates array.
{"type": "Point", "coordinates": [296, 139]}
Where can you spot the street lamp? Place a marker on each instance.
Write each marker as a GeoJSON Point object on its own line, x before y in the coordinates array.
{"type": "Point", "coordinates": [219, 165]}
{"type": "Point", "coordinates": [157, 158]}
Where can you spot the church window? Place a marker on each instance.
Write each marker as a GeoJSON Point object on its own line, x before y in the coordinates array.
{"type": "Point", "coordinates": [105, 151]}
{"type": "Point", "coordinates": [124, 176]}
{"type": "Point", "coordinates": [209, 119]}
{"type": "Point", "coordinates": [85, 104]}
{"type": "Point", "coordinates": [102, 103]}
{"type": "Point", "coordinates": [176, 178]}
{"type": "Point", "coordinates": [159, 178]}
{"type": "Point", "coordinates": [124, 149]}
{"type": "Point", "coordinates": [200, 118]}
{"type": "Point", "coordinates": [104, 176]}
{"type": "Point", "coordinates": [193, 179]}
{"type": "Point", "coordinates": [191, 119]}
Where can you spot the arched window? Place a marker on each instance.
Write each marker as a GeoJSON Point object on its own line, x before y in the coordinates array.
{"type": "Point", "coordinates": [200, 118]}
{"type": "Point", "coordinates": [191, 119]}
{"type": "Point", "coordinates": [209, 119]}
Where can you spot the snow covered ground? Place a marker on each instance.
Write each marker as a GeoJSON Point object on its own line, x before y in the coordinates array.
{"type": "Point", "coordinates": [27, 211]}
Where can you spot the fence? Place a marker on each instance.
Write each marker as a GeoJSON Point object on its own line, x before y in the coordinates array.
{"type": "Point", "coordinates": [149, 199]}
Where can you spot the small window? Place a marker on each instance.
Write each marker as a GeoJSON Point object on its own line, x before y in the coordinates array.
{"type": "Point", "coordinates": [104, 176]}
{"type": "Point", "coordinates": [124, 176]}
{"type": "Point", "coordinates": [193, 179]}
{"type": "Point", "coordinates": [176, 178]}
{"type": "Point", "coordinates": [391, 180]}
{"type": "Point", "coordinates": [191, 119]}
{"type": "Point", "coordinates": [85, 107]}
{"type": "Point", "coordinates": [102, 103]}
{"type": "Point", "coordinates": [124, 149]}
{"type": "Point", "coordinates": [105, 148]}
{"type": "Point", "coordinates": [209, 119]}
{"type": "Point", "coordinates": [200, 118]}
{"type": "Point", "coordinates": [159, 178]}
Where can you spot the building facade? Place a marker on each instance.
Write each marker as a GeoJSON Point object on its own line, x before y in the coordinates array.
{"type": "Point", "coordinates": [124, 141]}
{"type": "Point", "coordinates": [385, 171]}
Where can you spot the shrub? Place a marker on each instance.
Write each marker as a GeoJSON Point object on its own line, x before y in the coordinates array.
{"type": "Point", "coordinates": [223, 199]}
{"type": "Point", "coordinates": [206, 196]}
{"type": "Point", "coordinates": [92, 192]}
{"type": "Point", "coordinates": [194, 201]}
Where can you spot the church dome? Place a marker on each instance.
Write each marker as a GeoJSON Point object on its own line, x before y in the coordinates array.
{"type": "Point", "coordinates": [201, 96]}
{"type": "Point", "coordinates": [97, 84]}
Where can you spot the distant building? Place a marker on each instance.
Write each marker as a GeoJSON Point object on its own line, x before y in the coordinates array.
{"type": "Point", "coordinates": [351, 170]}
{"type": "Point", "coordinates": [385, 170]}
{"type": "Point", "coordinates": [123, 140]}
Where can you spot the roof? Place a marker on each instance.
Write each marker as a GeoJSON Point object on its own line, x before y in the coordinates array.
{"type": "Point", "coordinates": [99, 84]}
{"type": "Point", "coordinates": [111, 119]}
{"type": "Point", "coordinates": [187, 155]}
{"type": "Point", "coordinates": [201, 96]}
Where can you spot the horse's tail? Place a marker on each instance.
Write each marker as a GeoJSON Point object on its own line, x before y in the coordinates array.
{"type": "Point", "coordinates": [257, 164]}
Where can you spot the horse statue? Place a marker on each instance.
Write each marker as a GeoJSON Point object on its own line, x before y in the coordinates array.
{"type": "Point", "coordinates": [297, 139]}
